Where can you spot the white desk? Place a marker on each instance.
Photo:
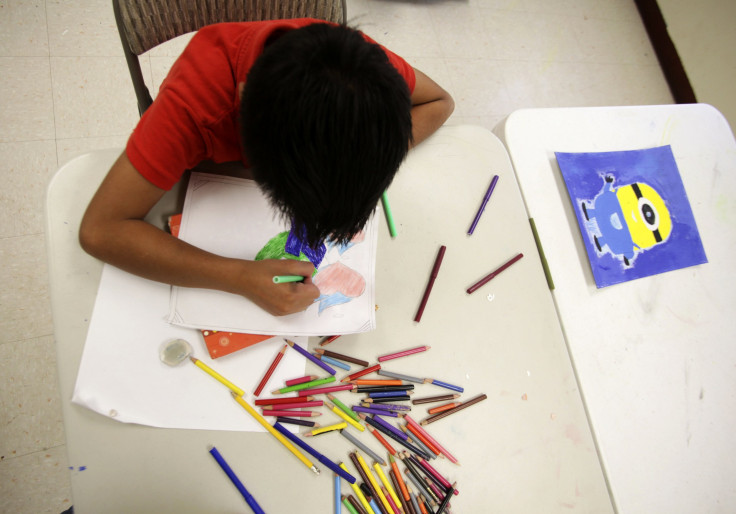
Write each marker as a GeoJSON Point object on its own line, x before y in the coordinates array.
{"type": "Point", "coordinates": [655, 357]}
{"type": "Point", "coordinates": [527, 448]}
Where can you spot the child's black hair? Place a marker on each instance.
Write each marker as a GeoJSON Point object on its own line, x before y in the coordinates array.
{"type": "Point", "coordinates": [325, 123]}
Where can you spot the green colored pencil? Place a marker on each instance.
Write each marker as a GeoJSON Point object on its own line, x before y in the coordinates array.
{"type": "Point", "coordinates": [389, 215]}
{"type": "Point", "coordinates": [305, 385]}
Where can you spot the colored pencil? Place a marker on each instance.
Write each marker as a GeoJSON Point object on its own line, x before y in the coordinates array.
{"type": "Point", "coordinates": [417, 483]}
{"type": "Point", "coordinates": [292, 413]}
{"type": "Point", "coordinates": [260, 419]}
{"type": "Point", "coordinates": [354, 503]}
{"type": "Point", "coordinates": [436, 382]}
{"type": "Point", "coordinates": [415, 503]}
{"type": "Point", "coordinates": [270, 371]}
{"type": "Point", "coordinates": [361, 373]}
{"type": "Point", "coordinates": [386, 399]}
{"type": "Point", "coordinates": [373, 481]}
{"type": "Point", "coordinates": [403, 353]}
{"type": "Point", "coordinates": [281, 401]}
{"type": "Point", "coordinates": [348, 506]}
{"type": "Point", "coordinates": [400, 376]}
{"type": "Point", "coordinates": [418, 436]}
{"type": "Point", "coordinates": [384, 388]}
{"type": "Point", "coordinates": [411, 423]}
{"type": "Point", "coordinates": [328, 340]}
{"type": "Point", "coordinates": [304, 385]}
{"type": "Point", "coordinates": [392, 504]}
{"type": "Point", "coordinates": [389, 394]}
{"type": "Point", "coordinates": [483, 204]}
{"type": "Point", "coordinates": [441, 408]}
{"type": "Point", "coordinates": [214, 374]}
{"type": "Point", "coordinates": [446, 413]}
{"type": "Point", "coordinates": [445, 501]}
{"type": "Point", "coordinates": [442, 481]}
{"type": "Point", "coordinates": [397, 473]}
{"type": "Point", "coordinates": [283, 279]}
{"type": "Point", "coordinates": [295, 405]}
{"type": "Point", "coordinates": [324, 430]}
{"type": "Point", "coordinates": [384, 480]}
{"type": "Point", "coordinates": [417, 472]}
{"type": "Point", "coordinates": [387, 406]}
{"type": "Point", "coordinates": [350, 437]}
{"type": "Point", "coordinates": [430, 284]}
{"type": "Point", "coordinates": [347, 410]}
{"type": "Point", "coordinates": [358, 492]}
{"type": "Point", "coordinates": [431, 399]}
{"type": "Point", "coordinates": [311, 357]}
{"type": "Point", "coordinates": [323, 390]}
{"type": "Point", "coordinates": [324, 460]}
{"type": "Point", "coordinates": [377, 412]}
{"type": "Point", "coordinates": [412, 438]}
{"type": "Point", "coordinates": [382, 440]}
{"type": "Point", "coordinates": [389, 426]}
{"type": "Point", "coordinates": [252, 503]}
{"type": "Point", "coordinates": [406, 444]}
{"type": "Point", "coordinates": [293, 421]}
{"type": "Point", "coordinates": [389, 214]}
{"type": "Point", "coordinates": [377, 382]}
{"type": "Point", "coordinates": [366, 481]}
{"type": "Point", "coordinates": [333, 362]}
{"type": "Point", "coordinates": [338, 495]}
{"type": "Point", "coordinates": [342, 357]}
{"type": "Point", "coordinates": [493, 274]}
{"type": "Point", "coordinates": [300, 380]}
{"type": "Point", "coordinates": [341, 414]}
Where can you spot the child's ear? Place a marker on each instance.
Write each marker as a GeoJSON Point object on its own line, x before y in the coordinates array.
{"type": "Point", "coordinates": [241, 86]}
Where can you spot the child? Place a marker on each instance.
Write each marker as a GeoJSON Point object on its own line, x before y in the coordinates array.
{"type": "Point", "coordinates": [320, 114]}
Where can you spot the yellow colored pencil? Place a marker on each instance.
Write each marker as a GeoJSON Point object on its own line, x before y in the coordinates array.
{"type": "Point", "coordinates": [260, 419]}
{"type": "Point", "coordinates": [329, 428]}
{"type": "Point", "coordinates": [214, 374]}
{"type": "Point", "coordinates": [359, 493]}
{"type": "Point", "coordinates": [373, 481]}
{"type": "Point", "coordinates": [344, 416]}
{"type": "Point", "coordinates": [387, 483]}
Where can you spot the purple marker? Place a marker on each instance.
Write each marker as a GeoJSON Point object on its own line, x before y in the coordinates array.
{"type": "Point", "coordinates": [483, 205]}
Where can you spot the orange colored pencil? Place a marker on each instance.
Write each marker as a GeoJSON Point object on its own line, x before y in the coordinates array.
{"type": "Point", "coordinates": [381, 440]}
{"type": "Point", "coordinates": [446, 406]}
{"type": "Point", "coordinates": [399, 479]}
{"type": "Point", "coordinates": [429, 444]}
{"type": "Point", "coordinates": [377, 382]}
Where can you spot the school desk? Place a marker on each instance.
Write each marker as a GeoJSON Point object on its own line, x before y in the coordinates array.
{"type": "Point", "coordinates": [655, 357]}
{"type": "Point", "coordinates": [527, 448]}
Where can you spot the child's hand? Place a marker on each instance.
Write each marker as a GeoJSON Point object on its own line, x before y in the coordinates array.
{"type": "Point", "coordinates": [257, 283]}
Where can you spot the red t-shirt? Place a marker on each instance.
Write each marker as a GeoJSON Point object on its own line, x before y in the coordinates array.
{"type": "Point", "coordinates": [195, 115]}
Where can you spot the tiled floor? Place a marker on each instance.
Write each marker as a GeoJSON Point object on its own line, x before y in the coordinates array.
{"type": "Point", "coordinates": [65, 90]}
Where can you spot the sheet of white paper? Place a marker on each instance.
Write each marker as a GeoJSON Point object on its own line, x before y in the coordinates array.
{"type": "Point", "coordinates": [231, 217]}
{"type": "Point", "coordinates": [121, 375]}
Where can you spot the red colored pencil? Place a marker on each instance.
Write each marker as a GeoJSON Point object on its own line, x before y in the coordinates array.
{"type": "Point", "coordinates": [403, 353]}
{"type": "Point", "coordinates": [300, 380]}
{"type": "Point", "coordinates": [291, 413]}
{"type": "Point", "coordinates": [430, 284]}
{"type": "Point", "coordinates": [295, 405]}
{"type": "Point", "coordinates": [270, 371]}
{"type": "Point", "coordinates": [278, 401]}
{"type": "Point", "coordinates": [361, 373]}
{"type": "Point", "coordinates": [493, 274]}
{"type": "Point", "coordinates": [328, 340]}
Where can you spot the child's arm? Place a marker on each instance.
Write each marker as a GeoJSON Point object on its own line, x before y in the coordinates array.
{"type": "Point", "coordinates": [431, 106]}
{"type": "Point", "coordinates": [113, 230]}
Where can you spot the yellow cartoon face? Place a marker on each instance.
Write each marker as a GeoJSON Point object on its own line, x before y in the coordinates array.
{"type": "Point", "coordinates": [645, 213]}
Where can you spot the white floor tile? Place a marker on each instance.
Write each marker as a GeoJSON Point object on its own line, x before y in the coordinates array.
{"type": "Point", "coordinates": [23, 29]}
{"type": "Point", "coordinates": [25, 168]}
{"type": "Point", "coordinates": [26, 109]}
{"type": "Point", "coordinates": [82, 28]}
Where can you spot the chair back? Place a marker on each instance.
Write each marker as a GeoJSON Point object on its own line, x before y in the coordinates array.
{"type": "Point", "coordinates": [144, 24]}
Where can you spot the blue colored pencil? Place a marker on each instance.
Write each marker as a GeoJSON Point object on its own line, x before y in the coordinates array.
{"type": "Point", "coordinates": [236, 481]}
{"type": "Point", "coordinates": [324, 460]}
{"type": "Point", "coordinates": [385, 394]}
{"type": "Point", "coordinates": [443, 384]}
{"type": "Point", "coordinates": [311, 357]}
{"type": "Point", "coordinates": [338, 495]}
{"type": "Point", "coordinates": [335, 362]}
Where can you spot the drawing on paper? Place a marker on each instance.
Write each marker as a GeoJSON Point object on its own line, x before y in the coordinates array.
{"type": "Point", "coordinates": [338, 283]}
{"type": "Point", "coordinates": [633, 213]}
{"type": "Point", "coordinates": [626, 220]}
